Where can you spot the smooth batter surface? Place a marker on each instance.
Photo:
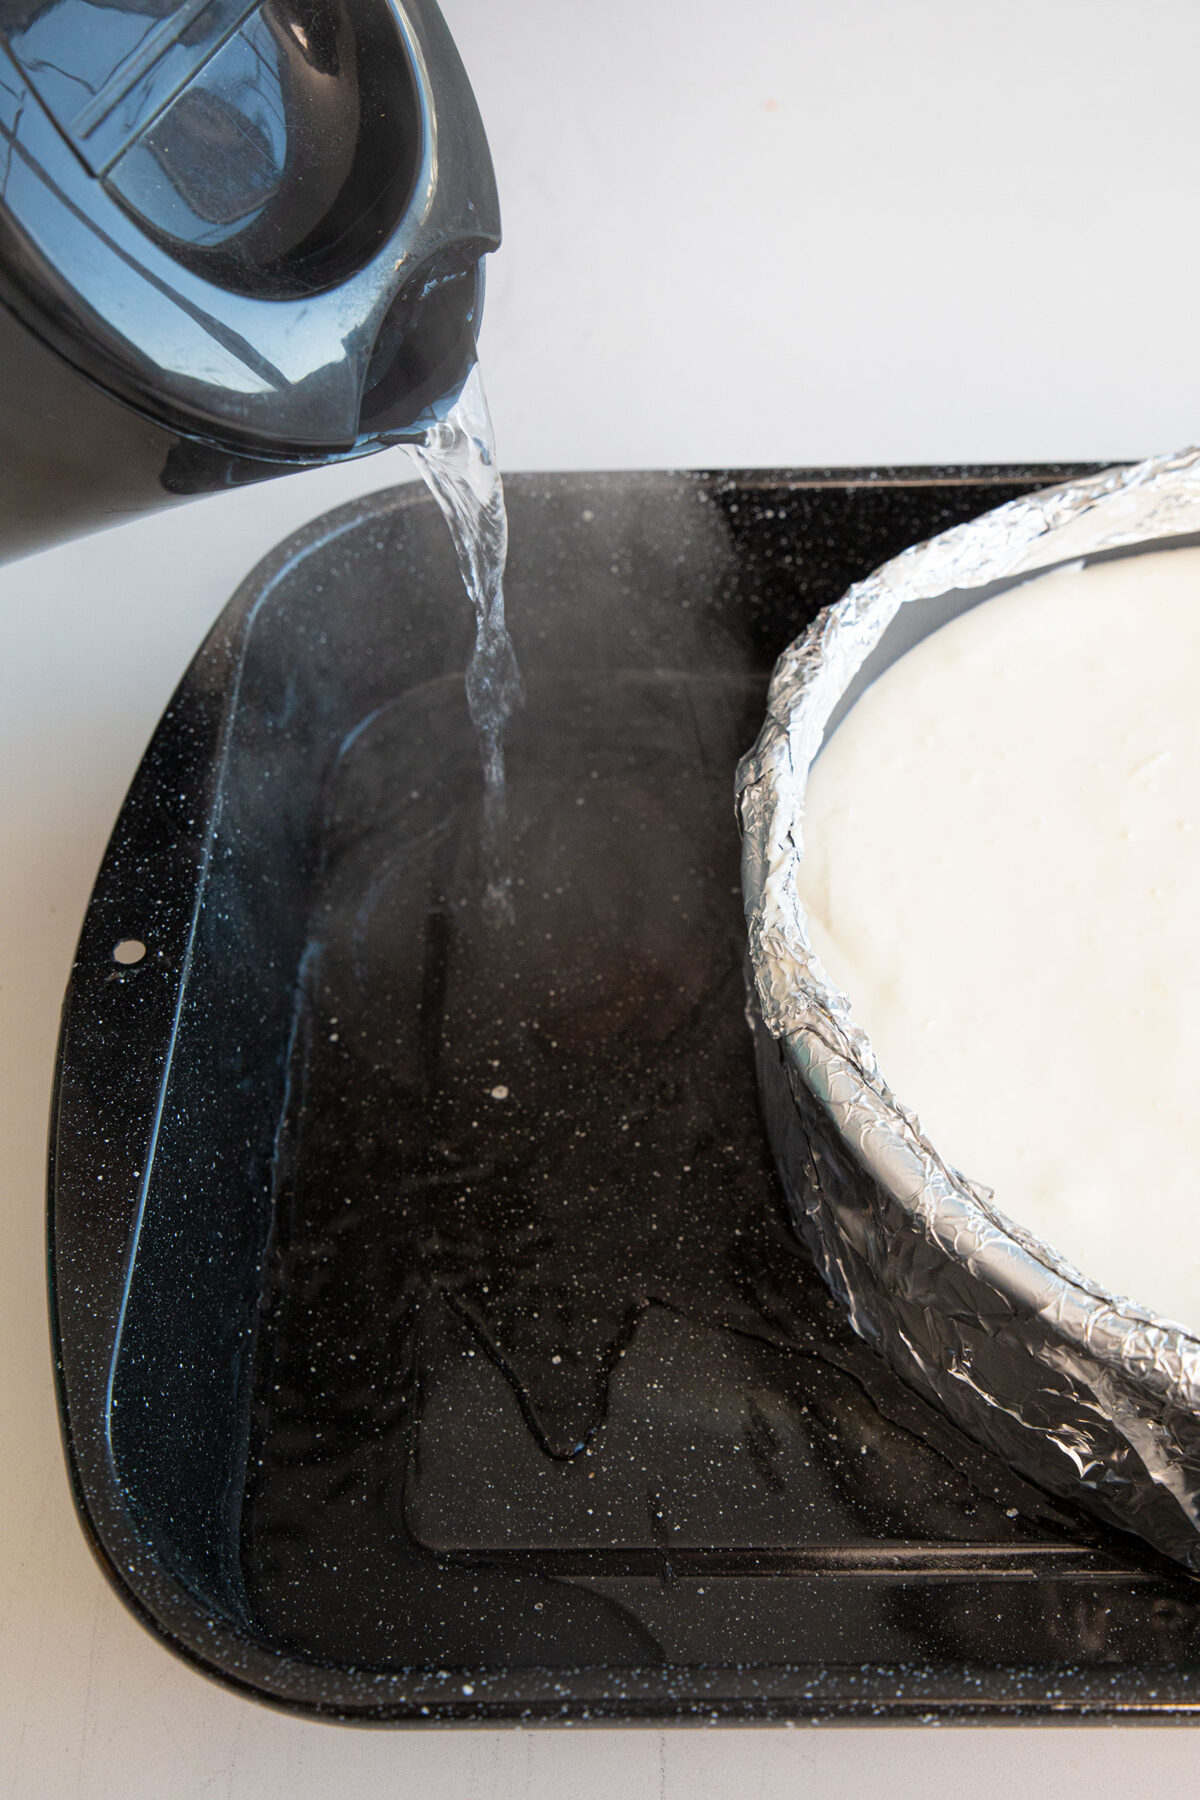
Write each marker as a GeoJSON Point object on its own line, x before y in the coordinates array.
{"type": "Point", "coordinates": [1002, 870]}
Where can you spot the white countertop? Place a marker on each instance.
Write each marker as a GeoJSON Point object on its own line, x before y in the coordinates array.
{"type": "Point", "coordinates": [787, 232]}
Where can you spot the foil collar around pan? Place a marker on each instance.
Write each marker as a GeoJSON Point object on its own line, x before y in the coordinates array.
{"type": "Point", "coordinates": [1083, 1391]}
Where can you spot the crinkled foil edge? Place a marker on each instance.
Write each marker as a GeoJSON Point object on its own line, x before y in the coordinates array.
{"type": "Point", "coordinates": [1083, 1391]}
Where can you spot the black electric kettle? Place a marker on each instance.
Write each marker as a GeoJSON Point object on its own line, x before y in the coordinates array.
{"type": "Point", "coordinates": [237, 237]}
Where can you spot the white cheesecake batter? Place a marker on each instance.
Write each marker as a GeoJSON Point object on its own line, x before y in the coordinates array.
{"type": "Point", "coordinates": [1002, 870]}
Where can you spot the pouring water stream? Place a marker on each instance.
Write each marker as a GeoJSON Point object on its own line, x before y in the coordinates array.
{"type": "Point", "coordinates": [457, 461]}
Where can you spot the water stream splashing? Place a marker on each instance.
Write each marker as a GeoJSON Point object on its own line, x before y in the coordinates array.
{"type": "Point", "coordinates": [458, 464]}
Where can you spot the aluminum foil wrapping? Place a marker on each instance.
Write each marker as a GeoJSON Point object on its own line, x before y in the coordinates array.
{"type": "Point", "coordinates": [1084, 1392]}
